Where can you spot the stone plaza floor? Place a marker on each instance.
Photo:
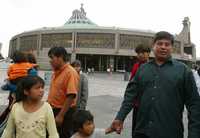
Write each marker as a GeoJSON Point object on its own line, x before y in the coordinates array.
{"type": "Point", "coordinates": [105, 96]}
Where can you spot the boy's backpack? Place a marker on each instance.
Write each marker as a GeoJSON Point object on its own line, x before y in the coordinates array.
{"type": "Point", "coordinates": [32, 72]}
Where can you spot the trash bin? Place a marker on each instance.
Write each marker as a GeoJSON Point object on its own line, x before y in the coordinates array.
{"type": "Point", "coordinates": [126, 76]}
{"type": "Point", "coordinates": [47, 77]}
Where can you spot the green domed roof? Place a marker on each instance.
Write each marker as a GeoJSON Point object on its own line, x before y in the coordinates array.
{"type": "Point", "coordinates": [79, 19]}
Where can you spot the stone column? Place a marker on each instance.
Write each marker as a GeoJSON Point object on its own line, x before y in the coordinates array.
{"type": "Point", "coordinates": [100, 69]}
{"type": "Point", "coordinates": [194, 53]}
{"type": "Point", "coordinates": [39, 43]}
{"type": "Point", "coordinates": [18, 43]}
{"type": "Point", "coordinates": [112, 62]}
{"type": "Point", "coordinates": [10, 48]}
{"type": "Point", "coordinates": [117, 42]}
{"type": "Point", "coordinates": [73, 54]}
{"type": "Point", "coordinates": [182, 49]}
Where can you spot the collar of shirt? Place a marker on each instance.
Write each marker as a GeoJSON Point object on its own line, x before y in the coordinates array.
{"type": "Point", "coordinates": [57, 72]}
{"type": "Point", "coordinates": [168, 61]}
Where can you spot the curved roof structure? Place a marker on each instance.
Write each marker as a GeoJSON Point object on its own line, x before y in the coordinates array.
{"type": "Point", "coordinates": [84, 39]}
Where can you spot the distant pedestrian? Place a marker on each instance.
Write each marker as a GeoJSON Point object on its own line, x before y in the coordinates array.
{"type": "Point", "coordinates": [82, 96]}
{"type": "Point", "coordinates": [92, 70]}
{"type": "Point", "coordinates": [88, 70]}
{"type": "Point", "coordinates": [110, 69]}
{"type": "Point", "coordinates": [30, 117]}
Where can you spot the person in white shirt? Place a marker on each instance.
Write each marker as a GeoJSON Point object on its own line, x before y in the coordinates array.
{"type": "Point", "coordinates": [30, 117]}
{"type": "Point", "coordinates": [84, 126]}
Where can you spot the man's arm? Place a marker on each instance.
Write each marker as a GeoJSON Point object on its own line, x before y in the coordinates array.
{"type": "Point", "coordinates": [68, 102]}
{"type": "Point", "coordinates": [130, 94]}
{"type": "Point", "coordinates": [72, 83]}
{"type": "Point", "coordinates": [192, 101]}
{"type": "Point", "coordinates": [126, 106]}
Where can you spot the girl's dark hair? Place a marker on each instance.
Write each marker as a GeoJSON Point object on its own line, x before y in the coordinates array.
{"type": "Point", "coordinates": [58, 52]}
{"type": "Point", "coordinates": [80, 117]}
{"type": "Point", "coordinates": [27, 83]}
{"type": "Point", "coordinates": [19, 57]}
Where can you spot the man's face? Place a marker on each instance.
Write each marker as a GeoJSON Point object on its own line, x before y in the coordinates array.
{"type": "Point", "coordinates": [143, 56]}
{"type": "Point", "coordinates": [55, 62]}
{"type": "Point", "coordinates": [162, 49]}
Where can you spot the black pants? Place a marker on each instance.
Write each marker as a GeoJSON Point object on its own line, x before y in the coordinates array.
{"type": "Point", "coordinates": [134, 116]}
{"type": "Point", "coordinates": [66, 129]}
{"type": "Point", "coordinates": [139, 136]}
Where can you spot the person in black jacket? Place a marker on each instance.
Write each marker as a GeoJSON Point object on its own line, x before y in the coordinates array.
{"type": "Point", "coordinates": [167, 85]}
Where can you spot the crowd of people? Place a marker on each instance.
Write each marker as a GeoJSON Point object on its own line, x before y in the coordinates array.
{"type": "Point", "coordinates": [157, 92]}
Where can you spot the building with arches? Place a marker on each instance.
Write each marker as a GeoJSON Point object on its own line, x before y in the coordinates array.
{"type": "Point", "coordinates": [96, 46]}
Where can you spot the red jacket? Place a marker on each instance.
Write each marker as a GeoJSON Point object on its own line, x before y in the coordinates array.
{"type": "Point", "coordinates": [135, 68]}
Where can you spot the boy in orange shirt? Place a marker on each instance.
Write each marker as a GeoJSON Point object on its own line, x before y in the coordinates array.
{"type": "Point", "coordinates": [18, 70]}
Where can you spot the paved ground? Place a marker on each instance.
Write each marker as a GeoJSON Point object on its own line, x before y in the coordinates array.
{"type": "Point", "coordinates": [105, 95]}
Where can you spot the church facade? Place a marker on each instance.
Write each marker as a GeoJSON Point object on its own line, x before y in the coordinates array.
{"type": "Point", "coordinates": [96, 46]}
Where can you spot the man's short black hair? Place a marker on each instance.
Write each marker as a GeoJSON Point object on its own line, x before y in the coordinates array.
{"type": "Point", "coordinates": [76, 63]}
{"type": "Point", "coordinates": [58, 52]}
{"type": "Point", "coordinates": [80, 117]}
{"type": "Point", "coordinates": [163, 35]}
{"type": "Point", "coordinates": [141, 48]}
{"type": "Point", "coordinates": [19, 57]}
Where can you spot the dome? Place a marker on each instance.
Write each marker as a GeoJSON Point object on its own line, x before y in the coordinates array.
{"type": "Point", "coordinates": [79, 18]}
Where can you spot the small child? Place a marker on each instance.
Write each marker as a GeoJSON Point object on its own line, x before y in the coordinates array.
{"type": "Point", "coordinates": [30, 117]}
{"type": "Point", "coordinates": [19, 69]}
{"type": "Point", "coordinates": [84, 126]}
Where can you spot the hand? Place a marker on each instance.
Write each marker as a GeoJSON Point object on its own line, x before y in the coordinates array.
{"type": "Point", "coordinates": [117, 126]}
{"type": "Point", "coordinates": [109, 130]}
{"type": "Point", "coordinates": [59, 120]}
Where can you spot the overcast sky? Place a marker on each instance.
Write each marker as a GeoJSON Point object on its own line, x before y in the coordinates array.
{"type": "Point", "coordinates": [17, 16]}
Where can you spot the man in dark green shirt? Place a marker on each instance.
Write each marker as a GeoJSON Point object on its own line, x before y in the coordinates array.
{"type": "Point", "coordinates": [165, 86]}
